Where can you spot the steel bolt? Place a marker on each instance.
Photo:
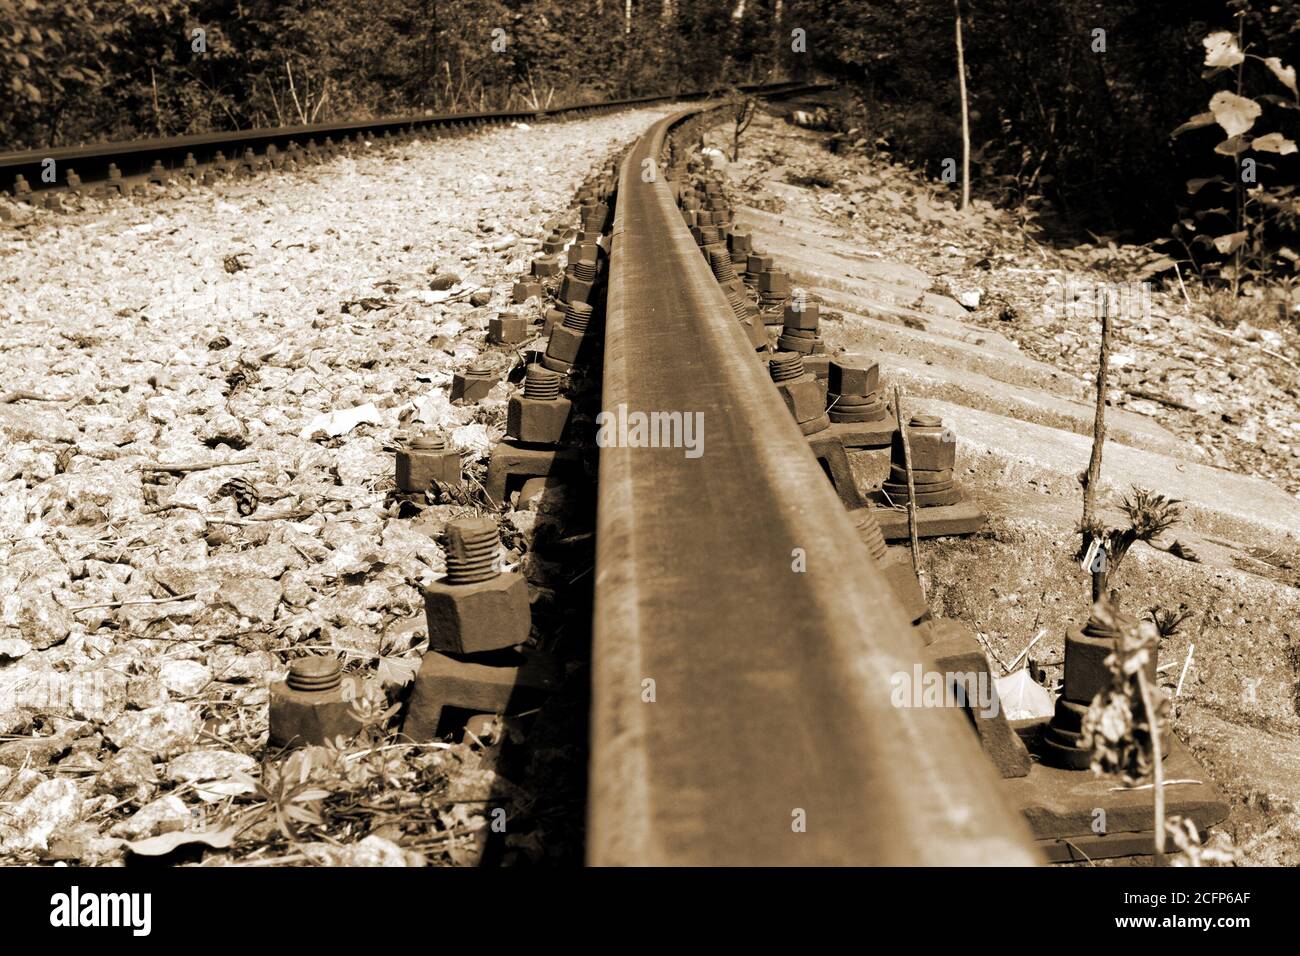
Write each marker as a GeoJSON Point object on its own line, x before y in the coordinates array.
{"type": "Point", "coordinates": [546, 266]}
{"type": "Point", "coordinates": [799, 390]}
{"type": "Point", "coordinates": [313, 704]}
{"type": "Point", "coordinates": [507, 328]}
{"type": "Point", "coordinates": [528, 289]}
{"type": "Point", "coordinates": [424, 459]}
{"type": "Point", "coordinates": [475, 608]}
{"type": "Point", "coordinates": [540, 415]}
{"type": "Point", "coordinates": [473, 383]}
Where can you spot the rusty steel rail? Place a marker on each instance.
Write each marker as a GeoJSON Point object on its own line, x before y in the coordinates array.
{"type": "Point", "coordinates": [135, 157]}
{"type": "Point", "coordinates": [771, 694]}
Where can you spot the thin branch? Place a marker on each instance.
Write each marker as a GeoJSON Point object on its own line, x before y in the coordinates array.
{"type": "Point", "coordinates": [1153, 721]}
{"type": "Point", "coordinates": [1092, 479]}
{"type": "Point", "coordinates": [183, 466]}
{"type": "Point", "coordinates": [164, 600]}
{"type": "Point", "coordinates": [8, 398]}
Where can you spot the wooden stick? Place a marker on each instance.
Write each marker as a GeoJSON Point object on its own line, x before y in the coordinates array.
{"type": "Point", "coordinates": [965, 111]}
{"type": "Point", "coordinates": [911, 488]}
{"type": "Point", "coordinates": [1030, 647]}
{"type": "Point", "coordinates": [22, 395]}
{"type": "Point", "coordinates": [1092, 478]}
{"type": "Point", "coordinates": [1153, 721]}
{"type": "Point", "coordinates": [181, 466]}
{"type": "Point", "coordinates": [179, 597]}
{"type": "Point", "coordinates": [1162, 399]}
{"type": "Point", "coordinates": [1237, 341]}
{"type": "Point", "coordinates": [1186, 664]}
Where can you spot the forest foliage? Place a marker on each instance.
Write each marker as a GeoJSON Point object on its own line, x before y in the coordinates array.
{"type": "Point", "coordinates": [1073, 103]}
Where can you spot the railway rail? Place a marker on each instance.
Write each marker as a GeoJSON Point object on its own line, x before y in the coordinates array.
{"type": "Point", "coordinates": [747, 637]}
{"type": "Point", "coordinates": [31, 172]}
{"type": "Point", "coordinates": [771, 737]}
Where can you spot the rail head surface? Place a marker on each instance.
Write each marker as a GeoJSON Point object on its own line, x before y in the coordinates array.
{"type": "Point", "coordinates": [770, 737]}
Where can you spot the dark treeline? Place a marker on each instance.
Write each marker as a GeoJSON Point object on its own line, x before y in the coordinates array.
{"type": "Point", "coordinates": [1073, 102]}
{"type": "Point", "coordinates": [85, 70]}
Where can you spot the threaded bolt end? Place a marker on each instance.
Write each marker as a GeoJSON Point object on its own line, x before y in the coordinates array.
{"type": "Point", "coordinates": [315, 673]}
{"type": "Point", "coordinates": [785, 366]}
{"type": "Point", "coordinates": [738, 304]}
{"type": "Point", "coordinates": [872, 536]}
{"type": "Point", "coordinates": [428, 441]}
{"type": "Point", "coordinates": [577, 316]}
{"type": "Point", "coordinates": [720, 263]}
{"type": "Point", "coordinates": [541, 383]}
{"type": "Point", "coordinates": [471, 546]}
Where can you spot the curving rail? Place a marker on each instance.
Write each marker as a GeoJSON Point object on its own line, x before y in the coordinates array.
{"type": "Point", "coordinates": [767, 735]}
{"type": "Point", "coordinates": [135, 158]}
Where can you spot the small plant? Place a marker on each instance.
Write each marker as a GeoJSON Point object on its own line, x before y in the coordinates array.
{"type": "Point", "coordinates": [741, 108]}
{"type": "Point", "coordinates": [1255, 207]}
{"type": "Point", "coordinates": [1125, 726]}
{"type": "Point", "coordinates": [1150, 515]}
{"type": "Point", "coordinates": [1125, 723]}
{"type": "Point", "coordinates": [1167, 620]}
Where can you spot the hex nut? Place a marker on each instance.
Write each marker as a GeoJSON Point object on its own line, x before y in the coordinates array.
{"type": "Point", "coordinates": [537, 421]}
{"type": "Point", "coordinates": [554, 317]}
{"type": "Point", "coordinates": [528, 289]}
{"type": "Point", "coordinates": [573, 289]}
{"type": "Point", "coordinates": [805, 318]}
{"type": "Point", "coordinates": [507, 328]}
{"type": "Point", "coordinates": [418, 469]}
{"type": "Point", "coordinates": [545, 266]}
{"type": "Point", "coordinates": [932, 448]}
{"type": "Point", "coordinates": [301, 718]}
{"type": "Point", "coordinates": [470, 387]}
{"type": "Point", "coordinates": [565, 344]}
{"type": "Point", "coordinates": [473, 618]}
{"type": "Point", "coordinates": [1085, 671]}
{"type": "Point", "coordinates": [774, 283]}
{"type": "Point", "coordinates": [803, 397]}
{"type": "Point", "coordinates": [853, 375]}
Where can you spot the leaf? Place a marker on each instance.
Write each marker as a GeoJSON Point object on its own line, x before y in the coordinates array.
{"type": "Point", "coordinates": [165, 843]}
{"type": "Point", "coordinates": [1274, 143]}
{"type": "Point", "coordinates": [1232, 146]}
{"type": "Point", "coordinates": [1230, 243]}
{"type": "Point", "coordinates": [1236, 114]}
{"type": "Point", "coordinates": [1194, 186]}
{"type": "Point", "coordinates": [1285, 74]}
{"type": "Point", "coordinates": [397, 670]}
{"type": "Point", "coordinates": [1221, 50]}
{"type": "Point", "coordinates": [1196, 122]}
{"type": "Point", "coordinates": [1155, 267]}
